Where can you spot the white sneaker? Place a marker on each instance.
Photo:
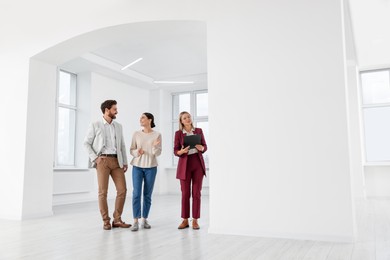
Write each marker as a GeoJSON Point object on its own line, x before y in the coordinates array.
{"type": "Point", "coordinates": [134, 227]}
{"type": "Point", "coordinates": [146, 225]}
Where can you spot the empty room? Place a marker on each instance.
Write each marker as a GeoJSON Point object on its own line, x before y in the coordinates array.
{"type": "Point", "coordinates": [287, 101]}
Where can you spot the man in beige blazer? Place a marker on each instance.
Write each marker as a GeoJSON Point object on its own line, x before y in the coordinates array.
{"type": "Point", "coordinates": [107, 151]}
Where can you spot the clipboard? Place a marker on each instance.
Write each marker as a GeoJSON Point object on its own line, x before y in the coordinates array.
{"type": "Point", "coordinates": [191, 140]}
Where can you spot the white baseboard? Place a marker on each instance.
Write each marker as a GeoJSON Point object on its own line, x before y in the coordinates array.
{"type": "Point", "coordinates": [64, 199]}
{"type": "Point", "coordinates": [378, 197]}
{"type": "Point", "coordinates": [10, 217]}
{"type": "Point", "coordinates": [38, 215]}
{"type": "Point", "coordinates": [295, 236]}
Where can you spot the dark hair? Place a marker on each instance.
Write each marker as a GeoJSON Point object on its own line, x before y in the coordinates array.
{"type": "Point", "coordinates": [107, 104]}
{"type": "Point", "coordinates": [150, 116]}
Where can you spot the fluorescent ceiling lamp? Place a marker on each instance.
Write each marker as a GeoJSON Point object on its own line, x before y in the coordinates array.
{"type": "Point", "coordinates": [173, 82]}
{"type": "Point", "coordinates": [134, 62]}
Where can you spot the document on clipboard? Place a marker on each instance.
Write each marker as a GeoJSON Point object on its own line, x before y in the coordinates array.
{"type": "Point", "coordinates": [191, 140]}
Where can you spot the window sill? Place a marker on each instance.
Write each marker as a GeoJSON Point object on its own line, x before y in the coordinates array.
{"type": "Point", "coordinates": [384, 163]}
{"type": "Point", "coordinates": [70, 169]}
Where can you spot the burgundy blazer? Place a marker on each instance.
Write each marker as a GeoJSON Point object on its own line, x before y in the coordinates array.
{"type": "Point", "coordinates": [179, 142]}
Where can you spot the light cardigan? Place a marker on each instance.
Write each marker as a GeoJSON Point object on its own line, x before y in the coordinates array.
{"type": "Point", "coordinates": [145, 141]}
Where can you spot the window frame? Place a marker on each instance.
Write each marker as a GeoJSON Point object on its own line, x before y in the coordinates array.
{"type": "Point", "coordinates": [363, 107]}
{"type": "Point", "coordinates": [69, 107]}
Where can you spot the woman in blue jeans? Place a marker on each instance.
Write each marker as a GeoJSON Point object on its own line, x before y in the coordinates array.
{"type": "Point", "coordinates": [145, 147]}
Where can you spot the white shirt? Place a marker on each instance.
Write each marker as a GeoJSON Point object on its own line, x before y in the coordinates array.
{"type": "Point", "coordinates": [110, 138]}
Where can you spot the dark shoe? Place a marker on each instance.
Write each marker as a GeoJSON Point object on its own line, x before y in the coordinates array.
{"type": "Point", "coordinates": [107, 225]}
{"type": "Point", "coordinates": [184, 224]}
{"type": "Point", "coordinates": [195, 224]}
{"type": "Point", "coordinates": [121, 224]}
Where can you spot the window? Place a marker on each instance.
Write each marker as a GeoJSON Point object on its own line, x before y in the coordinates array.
{"type": "Point", "coordinates": [66, 119]}
{"type": "Point", "coordinates": [196, 103]}
{"type": "Point", "coordinates": [376, 114]}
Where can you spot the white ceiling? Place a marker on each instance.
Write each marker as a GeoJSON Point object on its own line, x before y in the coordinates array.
{"type": "Point", "coordinates": [174, 50]}
{"type": "Point", "coordinates": [167, 54]}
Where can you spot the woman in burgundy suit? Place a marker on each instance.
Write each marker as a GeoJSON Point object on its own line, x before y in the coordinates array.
{"type": "Point", "coordinates": [190, 169]}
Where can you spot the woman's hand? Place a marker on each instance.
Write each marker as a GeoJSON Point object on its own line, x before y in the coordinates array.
{"type": "Point", "coordinates": [199, 147]}
{"type": "Point", "coordinates": [156, 142]}
{"type": "Point", "coordinates": [140, 151]}
{"type": "Point", "coordinates": [183, 150]}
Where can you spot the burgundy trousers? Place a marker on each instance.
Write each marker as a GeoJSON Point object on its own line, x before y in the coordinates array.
{"type": "Point", "coordinates": [193, 182]}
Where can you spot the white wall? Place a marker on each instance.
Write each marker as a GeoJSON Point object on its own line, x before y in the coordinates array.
{"type": "Point", "coordinates": [37, 199]}
{"type": "Point", "coordinates": [286, 172]}
{"type": "Point", "coordinates": [84, 89]}
{"type": "Point", "coordinates": [353, 107]}
{"type": "Point", "coordinates": [13, 129]}
{"type": "Point", "coordinates": [291, 177]}
{"type": "Point", "coordinates": [377, 180]}
{"type": "Point", "coordinates": [160, 107]}
{"type": "Point", "coordinates": [355, 132]}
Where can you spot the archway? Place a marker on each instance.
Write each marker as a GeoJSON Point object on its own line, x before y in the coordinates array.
{"type": "Point", "coordinates": [94, 57]}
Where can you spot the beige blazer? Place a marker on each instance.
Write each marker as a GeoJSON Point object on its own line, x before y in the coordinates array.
{"type": "Point", "coordinates": [94, 142]}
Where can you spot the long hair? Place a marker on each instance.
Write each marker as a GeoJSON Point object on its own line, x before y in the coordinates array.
{"type": "Point", "coordinates": [150, 116]}
{"type": "Point", "coordinates": [181, 126]}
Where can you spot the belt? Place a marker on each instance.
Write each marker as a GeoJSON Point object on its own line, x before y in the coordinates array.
{"type": "Point", "coordinates": [109, 155]}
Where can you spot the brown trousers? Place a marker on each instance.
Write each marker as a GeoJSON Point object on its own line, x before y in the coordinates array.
{"type": "Point", "coordinates": [106, 167]}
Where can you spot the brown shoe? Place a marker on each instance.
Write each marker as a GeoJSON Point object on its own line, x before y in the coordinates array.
{"type": "Point", "coordinates": [195, 224]}
{"type": "Point", "coordinates": [107, 225]}
{"type": "Point", "coordinates": [184, 224]}
{"type": "Point", "coordinates": [121, 224]}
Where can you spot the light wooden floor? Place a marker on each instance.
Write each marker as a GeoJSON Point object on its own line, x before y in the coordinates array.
{"type": "Point", "coordinates": [75, 232]}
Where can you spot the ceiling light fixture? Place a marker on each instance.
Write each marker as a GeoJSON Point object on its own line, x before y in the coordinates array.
{"type": "Point", "coordinates": [134, 62]}
{"type": "Point", "coordinates": [173, 82]}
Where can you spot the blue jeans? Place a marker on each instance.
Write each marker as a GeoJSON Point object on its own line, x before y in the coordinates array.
{"type": "Point", "coordinates": [148, 176]}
